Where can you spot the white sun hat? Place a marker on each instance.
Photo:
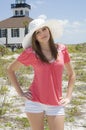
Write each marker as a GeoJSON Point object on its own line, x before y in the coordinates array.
{"type": "Point", "coordinates": [54, 25]}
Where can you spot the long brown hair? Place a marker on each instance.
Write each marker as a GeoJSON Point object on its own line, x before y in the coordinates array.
{"type": "Point", "coordinates": [37, 48]}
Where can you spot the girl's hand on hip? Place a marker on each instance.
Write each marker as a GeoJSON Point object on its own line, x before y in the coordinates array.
{"type": "Point", "coordinates": [64, 101]}
{"type": "Point", "coordinates": [27, 95]}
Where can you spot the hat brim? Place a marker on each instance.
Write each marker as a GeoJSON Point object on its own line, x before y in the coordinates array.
{"type": "Point", "coordinates": [55, 27]}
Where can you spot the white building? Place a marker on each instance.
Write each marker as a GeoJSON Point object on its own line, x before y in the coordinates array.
{"type": "Point", "coordinates": [13, 29]}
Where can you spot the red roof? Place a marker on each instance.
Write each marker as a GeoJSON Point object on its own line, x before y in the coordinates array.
{"type": "Point", "coordinates": [15, 22]}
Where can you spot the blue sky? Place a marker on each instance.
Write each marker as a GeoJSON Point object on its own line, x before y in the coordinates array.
{"type": "Point", "coordinates": [72, 13]}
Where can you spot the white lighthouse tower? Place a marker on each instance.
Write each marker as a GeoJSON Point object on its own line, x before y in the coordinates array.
{"type": "Point", "coordinates": [20, 8]}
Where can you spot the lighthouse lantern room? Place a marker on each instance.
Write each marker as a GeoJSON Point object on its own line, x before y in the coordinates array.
{"type": "Point", "coordinates": [20, 8]}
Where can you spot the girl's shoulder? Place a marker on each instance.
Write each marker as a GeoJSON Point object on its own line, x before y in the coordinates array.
{"type": "Point", "coordinates": [29, 50]}
{"type": "Point", "coordinates": [60, 46]}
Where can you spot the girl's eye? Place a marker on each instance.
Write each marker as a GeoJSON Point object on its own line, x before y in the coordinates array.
{"type": "Point", "coordinates": [37, 32]}
{"type": "Point", "coordinates": [44, 28]}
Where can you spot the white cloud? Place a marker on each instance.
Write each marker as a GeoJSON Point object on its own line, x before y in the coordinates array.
{"type": "Point", "coordinates": [43, 16]}
{"type": "Point", "coordinates": [74, 32]}
{"type": "Point", "coordinates": [36, 3]}
{"type": "Point", "coordinates": [75, 24]}
{"type": "Point", "coordinates": [64, 22]}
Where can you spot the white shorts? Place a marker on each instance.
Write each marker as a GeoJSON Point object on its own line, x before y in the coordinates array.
{"type": "Point", "coordinates": [36, 107]}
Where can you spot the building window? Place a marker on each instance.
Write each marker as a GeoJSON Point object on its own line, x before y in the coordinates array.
{"type": "Point", "coordinates": [21, 12]}
{"type": "Point", "coordinates": [3, 32]}
{"type": "Point", "coordinates": [16, 13]}
{"type": "Point", "coordinates": [14, 32]}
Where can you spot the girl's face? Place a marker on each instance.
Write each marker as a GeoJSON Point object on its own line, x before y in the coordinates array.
{"type": "Point", "coordinates": [42, 34]}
